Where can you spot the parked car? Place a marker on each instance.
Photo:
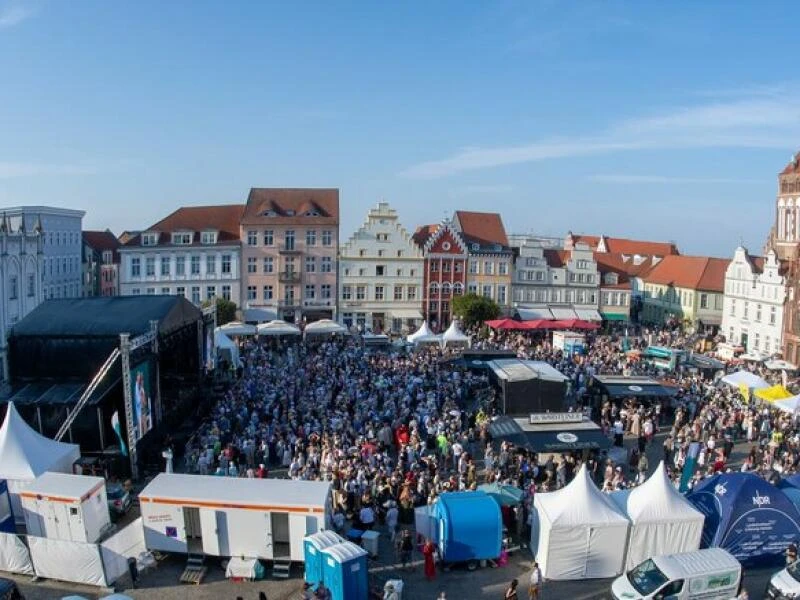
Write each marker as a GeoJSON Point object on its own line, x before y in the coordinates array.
{"type": "Point", "coordinates": [9, 590]}
{"type": "Point", "coordinates": [119, 499]}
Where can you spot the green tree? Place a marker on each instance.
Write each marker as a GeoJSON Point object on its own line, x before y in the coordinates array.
{"type": "Point", "coordinates": [226, 310]}
{"type": "Point", "coordinates": [473, 309]}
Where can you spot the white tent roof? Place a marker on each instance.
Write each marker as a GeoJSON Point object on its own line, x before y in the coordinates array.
{"type": "Point", "coordinates": [790, 405]}
{"type": "Point", "coordinates": [780, 365]}
{"type": "Point", "coordinates": [25, 454]}
{"type": "Point", "coordinates": [223, 342]}
{"type": "Point", "coordinates": [454, 334]}
{"type": "Point", "coordinates": [278, 327]}
{"type": "Point", "coordinates": [423, 331]}
{"type": "Point", "coordinates": [656, 500]}
{"type": "Point", "coordinates": [237, 328]}
{"type": "Point", "coordinates": [745, 377]}
{"type": "Point", "coordinates": [324, 326]}
{"type": "Point", "coordinates": [579, 503]}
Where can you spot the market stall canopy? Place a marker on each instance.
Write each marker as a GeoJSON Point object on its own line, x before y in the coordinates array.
{"type": "Point", "coordinates": [626, 387]}
{"type": "Point", "coordinates": [535, 313]}
{"type": "Point", "coordinates": [258, 315]}
{"type": "Point", "coordinates": [510, 324]}
{"type": "Point", "coordinates": [751, 380]}
{"type": "Point", "coordinates": [237, 328]}
{"type": "Point", "coordinates": [514, 369]}
{"type": "Point", "coordinates": [278, 327]}
{"type": "Point", "coordinates": [779, 365]}
{"type": "Point", "coordinates": [773, 393]}
{"type": "Point", "coordinates": [504, 495]}
{"type": "Point", "coordinates": [324, 327]}
{"type": "Point", "coordinates": [454, 335]}
{"type": "Point", "coordinates": [423, 331]}
{"type": "Point", "coordinates": [789, 405]}
{"type": "Point", "coordinates": [588, 314]}
{"type": "Point", "coordinates": [549, 437]}
{"type": "Point", "coordinates": [25, 454]}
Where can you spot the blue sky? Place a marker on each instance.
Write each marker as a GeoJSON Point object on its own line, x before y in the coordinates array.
{"type": "Point", "coordinates": [655, 120]}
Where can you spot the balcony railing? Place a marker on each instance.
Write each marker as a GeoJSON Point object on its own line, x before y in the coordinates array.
{"type": "Point", "coordinates": [288, 249]}
{"type": "Point", "coordinates": [289, 277]}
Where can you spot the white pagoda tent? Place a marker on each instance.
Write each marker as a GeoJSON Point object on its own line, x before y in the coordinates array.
{"type": "Point", "coordinates": [235, 328]}
{"type": "Point", "coordinates": [324, 327]}
{"type": "Point", "coordinates": [662, 520]}
{"type": "Point", "coordinates": [424, 335]}
{"type": "Point", "coordinates": [278, 327]}
{"type": "Point", "coordinates": [455, 336]}
{"type": "Point", "coordinates": [25, 454]}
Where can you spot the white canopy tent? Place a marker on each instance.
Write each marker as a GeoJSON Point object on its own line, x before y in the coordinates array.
{"type": "Point", "coordinates": [662, 520]}
{"type": "Point", "coordinates": [324, 327]}
{"type": "Point", "coordinates": [25, 454]}
{"type": "Point", "coordinates": [278, 327]}
{"type": "Point", "coordinates": [423, 331]}
{"type": "Point", "coordinates": [751, 380]}
{"type": "Point", "coordinates": [789, 405]}
{"type": "Point", "coordinates": [454, 335]}
{"type": "Point", "coordinates": [236, 328]}
{"type": "Point", "coordinates": [579, 532]}
{"type": "Point", "coordinates": [780, 365]}
{"type": "Point", "coordinates": [227, 347]}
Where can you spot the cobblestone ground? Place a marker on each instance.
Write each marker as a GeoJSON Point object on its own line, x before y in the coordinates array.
{"type": "Point", "coordinates": [161, 583]}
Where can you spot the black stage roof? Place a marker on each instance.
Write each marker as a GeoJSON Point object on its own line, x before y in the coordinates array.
{"type": "Point", "coordinates": [562, 437]}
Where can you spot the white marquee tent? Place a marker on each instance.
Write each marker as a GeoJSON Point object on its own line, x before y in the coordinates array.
{"type": "Point", "coordinates": [454, 335]}
{"type": "Point", "coordinates": [325, 327]}
{"type": "Point", "coordinates": [751, 380]}
{"type": "Point", "coordinates": [581, 532]}
{"type": "Point", "coordinates": [423, 331]}
{"type": "Point", "coordinates": [275, 328]}
{"type": "Point", "coordinates": [226, 346]}
{"type": "Point", "coordinates": [25, 454]}
{"type": "Point", "coordinates": [662, 520]}
{"type": "Point", "coordinates": [237, 328]}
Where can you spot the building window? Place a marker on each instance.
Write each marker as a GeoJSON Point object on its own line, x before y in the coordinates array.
{"type": "Point", "coordinates": [310, 292]}
{"type": "Point", "coordinates": [327, 237]}
{"type": "Point", "coordinates": [311, 264]}
{"type": "Point", "coordinates": [208, 237]}
{"type": "Point", "coordinates": [195, 265]}
{"type": "Point", "coordinates": [267, 292]}
{"type": "Point", "coordinates": [165, 291]}
{"type": "Point", "coordinates": [182, 238]}
{"type": "Point", "coordinates": [269, 237]}
{"type": "Point", "coordinates": [136, 267]}
{"type": "Point", "coordinates": [413, 272]}
{"type": "Point", "coordinates": [501, 294]}
{"type": "Point", "coordinates": [488, 267]}
{"type": "Point", "coordinates": [13, 286]}
{"type": "Point", "coordinates": [148, 239]}
{"type": "Point", "coordinates": [311, 237]}
{"type": "Point", "coordinates": [758, 313]}
{"type": "Point", "coordinates": [487, 291]}
{"type": "Point", "coordinates": [196, 294]}
{"type": "Point", "coordinates": [252, 238]}
{"type": "Point", "coordinates": [211, 264]}
{"type": "Point", "coordinates": [268, 265]}
{"type": "Point", "coordinates": [166, 263]}
{"type": "Point", "coordinates": [458, 288]}
{"type": "Point", "coordinates": [382, 237]}
{"type": "Point", "coordinates": [362, 253]}
{"type": "Point", "coordinates": [288, 239]}
{"type": "Point", "coordinates": [108, 257]}
{"type": "Point", "coordinates": [434, 266]}
{"type": "Point", "coordinates": [746, 308]}
{"type": "Point", "coordinates": [539, 275]}
{"type": "Point", "coordinates": [756, 341]}
{"type": "Point", "coordinates": [180, 266]}
{"type": "Point", "coordinates": [381, 253]}
{"type": "Point", "coordinates": [288, 295]}
{"type": "Point", "coordinates": [398, 292]}
{"type": "Point", "coordinates": [226, 292]}
{"type": "Point", "coordinates": [180, 291]}
{"type": "Point", "coordinates": [325, 291]}
{"type": "Point", "coordinates": [433, 306]}
{"type": "Point", "coordinates": [411, 292]}
{"type": "Point", "coordinates": [347, 292]}
{"type": "Point", "coordinates": [703, 300]}
{"type": "Point", "coordinates": [473, 267]}
{"type": "Point", "coordinates": [446, 267]}
{"type": "Point", "coordinates": [251, 292]}
{"type": "Point", "coordinates": [134, 291]}
{"type": "Point", "coordinates": [502, 268]}
{"type": "Point", "coordinates": [361, 292]}
{"type": "Point", "coordinates": [327, 264]}
{"type": "Point", "coordinates": [378, 292]}
{"type": "Point", "coordinates": [582, 264]}
{"type": "Point", "coordinates": [211, 292]}
{"type": "Point", "coordinates": [226, 264]}
{"type": "Point", "coordinates": [472, 288]}
{"type": "Point", "coordinates": [733, 309]}
{"type": "Point", "coordinates": [772, 316]}
{"type": "Point", "coordinates": [433, 288]}
{"type": "Point", "coordinates": [380, 270]}
{"type": "Point", "coordinates": [251, 264]}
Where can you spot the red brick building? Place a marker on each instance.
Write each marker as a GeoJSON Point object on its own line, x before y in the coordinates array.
{"type": "Point", "coordinates": [444, 271]}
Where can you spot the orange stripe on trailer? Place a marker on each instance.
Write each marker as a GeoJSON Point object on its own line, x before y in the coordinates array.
{"type": "Point", "coordinates": [195, 504]}
{"type": "Point", "coordinates": [50, 498]}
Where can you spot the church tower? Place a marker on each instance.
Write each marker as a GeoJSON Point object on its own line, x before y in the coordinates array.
{"type": "Point", "coordinates": [785, 234]}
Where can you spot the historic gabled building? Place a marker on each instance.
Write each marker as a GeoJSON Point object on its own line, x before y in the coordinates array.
{"type": "Point", "coordinates": [444, 272]}
{"type": "Point", "coordinates": [380, 275]}
{"type": "Point", "coordinates": [100, 263]}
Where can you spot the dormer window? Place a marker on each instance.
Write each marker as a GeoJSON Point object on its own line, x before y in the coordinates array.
{"type": "Point", "coordinates": [476, 247]}
{"type": "Point", "coordinates": [269, 213]}
{"type": "Point", "coordinates": [182, 238]}
{"type": "Point", "coordinates": [208, 237]}
{"type": "Point", "coordinates": [149, 239]}
{"type": "Point", "coordinates": [290, 213]}
{"type": "Point", "coordinates": [108, 257]}
{"type": "Point", "coordinates": [497, 247]}
{"type": "Point", "coordinates": [312, 213]}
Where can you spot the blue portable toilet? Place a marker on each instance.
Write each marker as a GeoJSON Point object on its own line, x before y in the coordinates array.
{"type": "Point", "coordinates": [344, 571]}
{"type": "Point", "coordinates": [313, 545]}
{"type": "Point", "coordinates": [7, 524]}
{"type": "Point", "coordinates": [469, 526]}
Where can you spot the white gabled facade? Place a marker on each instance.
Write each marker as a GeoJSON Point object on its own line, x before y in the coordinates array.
{"type": "Point", "coordinates": [380, 275]}
{"type": "Point", "coordinates": [755, 291]}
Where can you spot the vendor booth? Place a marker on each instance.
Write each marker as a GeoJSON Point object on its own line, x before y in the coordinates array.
{"type": "Point", "coordinates": [578, 533]}
{"type": "Point", "coordinates": [747, 516]}
{"type": "Point", "coordinates": [569, 342]}
{"type": "Point", "coordinates": [277, 328]}
{"type": "Point", "coordinates": [236, 329]}
{"type": "Point", "coordinates": [746, 379]}
{"type": "Point", "coordinates": [550, 432]}
{"type": "Point", "coordinates": [324, 327]}
{"type": "Point", "coordinates": [25, 454]}
{"type": "Point", "coordinates": [662, 520]}
{"type": "Point", "coordinates": [528, 386]}
{"type": "Point", "coordinates": [222, 516]}
{"type": "Point", "coordinates": [454, 336]}
{"type": "Point", "coordinates": [644, 389]}
{"type": "Point", "coordinates": [469, 526]}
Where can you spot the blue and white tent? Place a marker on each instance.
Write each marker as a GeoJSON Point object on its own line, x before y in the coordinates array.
{"type": "Point", "coordinates": [747, 516]}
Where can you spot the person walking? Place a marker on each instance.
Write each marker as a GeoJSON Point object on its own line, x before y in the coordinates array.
{"type": "Point", "coordinates": [511, 591]}
{"type": "Point", "coordinates": [406, 546]}
{"type": "Point", "coordinates": [535, 587]}
{"type": "Point", "coordinates": [429, 551]}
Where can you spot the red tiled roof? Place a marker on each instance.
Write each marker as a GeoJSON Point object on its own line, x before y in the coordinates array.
{"type": "Point", "coordinates": [291, 205]}
{"type": "Point", "coordinates": [626, 246]}
{"type": "Point", "coordinates": [793, 166]}
{"type": "Point", "coordinates": [622, 264]}
{"type": "Point", "coordinates": [690, 272]}
{"type": "Point", "coordinates": [556, 258]}
{"type": "Point", "coordinates": [758, 264]}
{"type": "Point", "coordinates": [223, 218]}
{"type": "Point", "coordinates": [422, 233]}
{"type": "Point", "coordinates": [101, 240]}
{"type": "Point", "coordinates": [485, 228]}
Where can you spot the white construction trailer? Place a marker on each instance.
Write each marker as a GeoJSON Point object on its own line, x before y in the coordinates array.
{"type": "Point", "coordinates": [59, 506]}
{"type": "Point", "coordinates": [225, 516]}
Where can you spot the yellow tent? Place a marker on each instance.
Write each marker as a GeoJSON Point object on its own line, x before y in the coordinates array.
{"type": "Point", "coordinates": [773, 394]}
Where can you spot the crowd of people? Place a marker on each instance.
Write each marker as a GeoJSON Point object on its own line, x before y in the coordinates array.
{"type": "Point", "coordinates": [391, 429]}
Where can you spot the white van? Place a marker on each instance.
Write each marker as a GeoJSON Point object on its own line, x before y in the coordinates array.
{"type": "Point", "coordinates": [711, 574]}
{"type": "Point", "coordinates": [785, 583]}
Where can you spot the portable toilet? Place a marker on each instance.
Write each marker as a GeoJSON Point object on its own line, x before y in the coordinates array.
{"type": "Point", "coordinates": [7, 524]}
{"type": "Point", "coordinates": [469, 526]}
{"type": "Point", "coordinates": [313, 545]}
{"type": "Point", "coordinates": [66, 507]}
{"type": "Point", "coordinates": [344, 571]}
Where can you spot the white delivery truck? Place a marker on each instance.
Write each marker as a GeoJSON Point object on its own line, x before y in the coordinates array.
{"type": "Point", "coordinates": [785, 583]}
{"type": "Point", "coordinates": [711, 574]}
